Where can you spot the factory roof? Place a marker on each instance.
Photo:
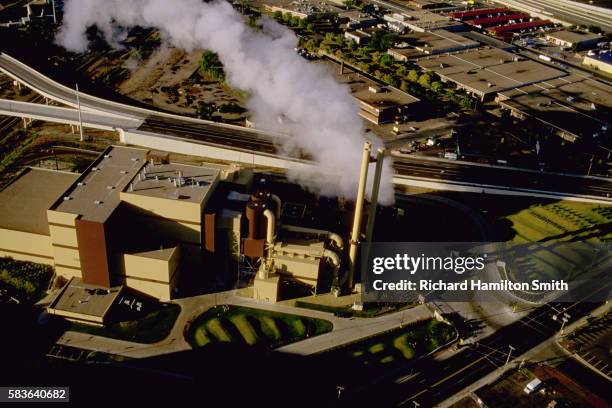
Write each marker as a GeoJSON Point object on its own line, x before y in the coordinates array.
{"type": "Point", "coordinates": [488, 40]}
{"type": "Point", "coordinates": [95, 194]}
{"type": "Point", "coordinates": [487, 70]}
{"type": "Point", "coordinates": [24, 202]}
{"type": "Point", "coordinates": [519, 26]}
{"type": "Point", "coordinates": [84, 302]}
{"type": "Point", "coordinates": [574, 104]}
{"type": "Point", "coordinates": [478, 12]}
{"type": "Point", "coordinates": [387, 97]}
{"type": "Point", "coordinates": [573, 37]}
{"type": "Point", "coordinates": [498, 19]}
{"type": "Point", "coordinates": [438, 41]}
{"type": "Point", "coordinates": [162, 181]}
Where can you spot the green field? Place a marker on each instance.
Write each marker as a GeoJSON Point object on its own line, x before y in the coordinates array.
{"type": "Point", "coordinates": [248, 326]}
{"type": "Point", "coordinates": [400, 345]}
{"type": "Point", "coordinates": [151, 328]}
{"type": "Point", "coordinates": [559, 240]}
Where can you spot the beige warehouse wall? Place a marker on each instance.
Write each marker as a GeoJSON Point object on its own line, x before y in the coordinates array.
{"type": "Point", "coordinates": [58, 217]}
{"type": "Point", "coordinates": [68, 272]}
{"type": "Point", "coordinates": [26, 246]}
{"type": "Point", "coordinates": [148, 268]}
{"type": "Point", "coordinates": [162, 291]}
{"type": "Point", "coordinates": [65, 236]}
{"type": "Point", "coordinates": [166, 208]}
{"type": "Point", "coordinates": [67, 256]}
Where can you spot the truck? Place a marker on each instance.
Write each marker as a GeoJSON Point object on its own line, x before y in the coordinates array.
{"type": "Point", "coordinates": [533, 385]}
{"type": "Point", "coordinates": [545, 57]}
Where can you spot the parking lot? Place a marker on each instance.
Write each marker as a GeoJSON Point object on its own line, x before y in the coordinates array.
{"type": "Point", "coordinates": [593, 343]}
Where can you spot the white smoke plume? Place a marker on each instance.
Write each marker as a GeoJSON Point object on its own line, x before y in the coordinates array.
{"type": "Point", "coordinates": [287, 93]}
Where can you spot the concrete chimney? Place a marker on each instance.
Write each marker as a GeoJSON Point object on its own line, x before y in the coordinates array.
{"type": "Point", "coordinates": [363, 176]}
{"type": "Point", "coordinates": [341, 67]}
{"type": "Point", "coordinates": [380, 158]}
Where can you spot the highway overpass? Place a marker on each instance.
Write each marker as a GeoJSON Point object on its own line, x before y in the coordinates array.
{"type": "Point", "coordinates": [174, 133]}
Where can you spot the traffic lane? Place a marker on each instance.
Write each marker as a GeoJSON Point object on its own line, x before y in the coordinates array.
{"type": "Point", "coordinates": [505, 177]}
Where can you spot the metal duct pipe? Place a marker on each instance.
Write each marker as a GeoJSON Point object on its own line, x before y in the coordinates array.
{"type": "Point", "coordinates": [334, 259]}
{"type": "Point", "coordinates": [332, 236]}
{"type": "Point", "coordinates": [270, 231]}
{"type": "Point", "coordinates": [337, 240]}
{"type": "Point", "coordinates": [278, 203]}
{"type": "Point", "coordinates": [365, 161]}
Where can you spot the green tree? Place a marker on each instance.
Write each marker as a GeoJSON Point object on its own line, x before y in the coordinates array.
{"type": "Point", "coordinates": [303, 23]}
{"type": "Point", "coordinates": [450, 94]}
{"type": "Point", "coordinates": [352, 45]}
{"type": "Point", "coordinates": [310, 27]}
{"type": "Point", "coordinates": [278, 15]}
{"type": "Point", "coordinates": [595, 29]}
{"type": "Point", "coordinates": [436, 86]}
{"type": "Point", "coordinates": [402, 71]}
{"type": "Point", "coordinates": [425, 80]}
{"type": "Point", "coordinates": [367, 8]}
{"type": "Point", "coordinates": [467, 102]}
{"type": "Point", "coordinates": [349, 3]}
{"type": "Point", "coordinates": [287, 18]}
{"type": "Point", "coordinates": [386, 61]}
{"type": "Point", "coordinates": [295, 21]}
{"type": "Point", "coordinates": [381, 41]}
{"type": "Point", "coordinates": [413, 75]}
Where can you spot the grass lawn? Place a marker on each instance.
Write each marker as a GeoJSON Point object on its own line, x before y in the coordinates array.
{"type": "Point", "coordinates": [400, 345]}
{"type": "Point", "coordinates": [559, 239]}
{"type": "Point", "coordinates": [252, 327]}
{"type": "Point", "coordinates": [28, 280]}
{"type": "Point", "coordinates": [149, 329]}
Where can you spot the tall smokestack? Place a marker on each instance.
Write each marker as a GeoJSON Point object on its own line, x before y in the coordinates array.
{"type": "Point", "coordinates": [363, 176]}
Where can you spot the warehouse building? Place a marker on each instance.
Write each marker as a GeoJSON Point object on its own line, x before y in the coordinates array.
{"type": "Point", "coordinates": [436, 42]}
{"type": "Point", "coordinates": [573, 39]}
{"type": "Point", "coordinates": [485, 71]}
{"type": "Point", "coordinates": [572, 107]}
{"type": "Point", "coordinates": [421, 20]}
{"type": "Point", "coordinates": [381, 105]}
{"type": "Point", "coordinates": [134, 219]}
{"type": "Point", "coordinates": [602, 61]}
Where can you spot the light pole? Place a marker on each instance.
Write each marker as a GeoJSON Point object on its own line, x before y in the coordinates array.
{"type": "Point", "coordinates": [79, 110]}
{"type": "Point", "coordinates": [510, 349]}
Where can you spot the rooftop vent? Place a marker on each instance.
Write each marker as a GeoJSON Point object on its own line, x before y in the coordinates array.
{"type": "Point", "coordinates": [110, 187]}
{"type": "Point", "coordinates": [106, 156]}
{"type": "Point", "coordinates": [94, 169]}
{"type": "Point", "coordinates": [134, 159]}
{"type": "Point", "coordinates": [67, 198]}
{"type": "Point", "coordinates": [123, 172]}
{"type": "Point", "coordinates": [80, 183]}
{"type": "Point", "coordinates": [98, 202]}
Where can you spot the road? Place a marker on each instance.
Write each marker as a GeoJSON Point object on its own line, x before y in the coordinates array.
{"type": "Point", "coordinates": [128, 117]}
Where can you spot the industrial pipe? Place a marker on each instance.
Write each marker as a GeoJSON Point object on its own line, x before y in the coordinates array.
{"type": "Point", "coordinates": [334, 259]}
{"type": "Point", "coordinates": [365, 162]}
{"type": "Point", "coordinates": [279, 204]}
{"type": "Point", "coordinates": [332, 236]}
{"type": "Point", "coordinates": [270, 231]}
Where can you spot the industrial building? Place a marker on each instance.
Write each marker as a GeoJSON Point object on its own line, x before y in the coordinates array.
{"type": "Point", "coordinates": [359, 36]}
{"type": "Point", "coordinates": [355, 19]}
{"type": "Point", "coordinates": [381, 105]}
{"type": "Point", "coordinates": [602, 61]}
{"type": "Point", "coordinates": [428, 4]}
{"type": "Point", "coordinates": [499, 20]}
{"type": "Point", "coordinates": [573, 39]}
{"type": "Point", "coordinates": [485, 71]}
{"type": "Point", "coordinates": [134, 219]}
{"type": "Point", "coordinates": [507, 31]}
{"type": "Point", "coordinates": [304, 9]}
{"type": "Point", "coordinates": [436, 42]}
{"type": "Point", "coordinates": [421, 20]}
{"type": "Point", "coordinates": [479, 13]}
{"type": "Point", "coordinates": [572, 107]}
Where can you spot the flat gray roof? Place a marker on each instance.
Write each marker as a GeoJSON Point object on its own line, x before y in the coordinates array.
{"type": "Point", "coordinates": [159, 181]}
{"type": "Point", "coordinates": [95, 195]}
{"type": "Point", "coordinates": [389, 97]}
{"type": "Point", "coordinates": [574, 104]}
{"type": "Point", "coordinates": [573, 36]}
{"type": "Point", "coordinates": [24, 202]}
{"type": "Point", "coordinates": [487, 70]}
{"type": "Point", "coordinates": [81, 298]}
{"type": "Point", "coordinates": [437, 41]}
